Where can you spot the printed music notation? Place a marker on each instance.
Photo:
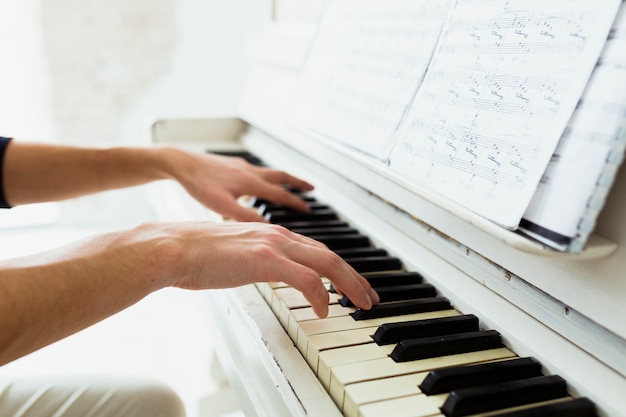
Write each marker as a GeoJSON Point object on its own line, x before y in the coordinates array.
{"type": "Point", "coordinates": [571, 192]}
{"type": "Point", "coordinates": [359, 88]}
{"type": "Point", "coordinates": [500, 89]}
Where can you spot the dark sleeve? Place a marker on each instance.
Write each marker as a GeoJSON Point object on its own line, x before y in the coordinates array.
{"type": "Point", "coordinates": [3, 147]}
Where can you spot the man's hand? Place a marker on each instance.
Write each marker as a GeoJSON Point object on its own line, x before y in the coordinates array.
{"type": "Point", "coordinates": [218, 181]}
{"type": "Point", "coordinates": [232, 254]}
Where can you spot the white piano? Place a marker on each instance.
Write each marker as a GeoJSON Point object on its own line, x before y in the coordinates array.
{"type": "Point", "coordinates": [565, 310]}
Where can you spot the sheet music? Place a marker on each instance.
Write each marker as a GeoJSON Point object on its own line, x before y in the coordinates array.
{"type": "Point", "coordinates": [587, 156]}
{"type": "Point", "coordinates": [503, 83]}
{"type": "Point", "coordinates": [385, 50]}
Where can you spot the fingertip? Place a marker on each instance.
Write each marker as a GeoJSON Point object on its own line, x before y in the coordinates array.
{"type": "Point", "coordinates": [373, 296]}
{"type": "Point", "coordinates": [321, 311]}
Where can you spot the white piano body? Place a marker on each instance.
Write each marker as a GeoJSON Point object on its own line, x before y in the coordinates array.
{"type": "Point", "coordinates": [566, 310]}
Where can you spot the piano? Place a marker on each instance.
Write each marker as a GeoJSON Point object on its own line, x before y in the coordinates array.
{"type": "Point", "coordinates": [481, 320]}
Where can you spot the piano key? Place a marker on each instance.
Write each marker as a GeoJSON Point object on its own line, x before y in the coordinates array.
{"type": "Point", "coordinates": [578, 407]}
{"type": "Point", "coordinates": [343, 323]}
{"type": "Point", "coordinates": [312, 204]}
{"type": "Point", "coordinates": [305, 314]}
{"type": "Point", "coordinates": [284, 216]}
{"type": "Point", "coordinates": [468, 401]}
{"type": "Point", "coordinates": [251, 158]}
{"type": "Point", "coordinates": [374, 263]}
{"type": "Point", "coordinates": [313, 232]}
{"type": "Point", "coordinates": [333, 242]}
{"type": "Point", "coordinates": [385, 389]}
{"type": "Point", "coordinates": [328, 359]}
{"type": "Point", "coordinates": [351, 373]}
{"type": "Point", "coordinates": [356, 395]}
{"type": "Point", "coordinates": [411, 406]}
{"type": "Point", "coordinates": [464, 343]}
{"type": "Point", "coordinates": [313, 224]}
{"type": "Point", "coordinates": [319, 342]}
{"type": "Point", "coordinates": [398, 293]}
{"type": "Point", "coordinates": [428, 347]}
{"type": "Point", "coordinates": [361, 252]}
{"type": "Point", "coordinates": [393, 278]}
{"type": "Point", "coordinates": [292, 298]}
{"type": "Point", "coordinates": [258, 202]}
{"type": "Point", "coordinates": [324, 341]}
{"type": "Point", "coordinates": [395, 332]}
{"type": "Point", "coordinates": [402, 307]}
{"type": "Point", "coordinates": [286, 299]}
{"type": "Point", "coordinates": [448, 379]}
{"type": "Point", "coordinates": [388, 278]}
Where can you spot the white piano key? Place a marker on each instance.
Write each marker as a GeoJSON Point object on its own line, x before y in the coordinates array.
{"type": "Point", "coordinates": [320, 342]}
{"type": "Point", "coordinates": [344, 375]}
{"type": "Point", "coordinates": [348, 337]}
{"type": "Point", "coordinates": [341, 356]}
{"type": "Point", "coordinates": [289, 298]}
{"type": "Point", "coordinates": [298, 315]}
{"type": "Point", "coordinates": [411, 406]}
{"type": "Point", "coordinates": [343, 323]}
{"type": "Point", "coordinates": [356, 395]}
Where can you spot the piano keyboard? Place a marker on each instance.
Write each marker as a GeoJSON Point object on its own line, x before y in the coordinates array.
{"type": "Point", "coordinates": [413, 354]}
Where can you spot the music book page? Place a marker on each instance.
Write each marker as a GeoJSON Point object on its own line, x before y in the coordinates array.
{"type": "Point", "coordinates": [368, 59]}
{"type": "Point", "coordinates": [573, 188]}
{"type": "Point", "coordinates": [502, 85]}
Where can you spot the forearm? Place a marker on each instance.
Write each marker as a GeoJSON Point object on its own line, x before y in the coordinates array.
{"type": "Point", "coordinates": [47, 297]}
{"type": "Point", "coordinates": [41, 172]}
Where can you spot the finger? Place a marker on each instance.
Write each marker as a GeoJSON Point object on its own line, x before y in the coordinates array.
{"type": "Point", "coordinates": [305, 280]}
{"type": "Point", "coordinates": [307, 240]}
{"type": "Point", "coordinates": [279, 195]}
{"type": "Point", "coordinates": [281, 177]}
{"type": "Point", "coordinates": [231, 209]}
{"type": "Point", "coordinates": [342, 275]}
{"type": "Point", "coordinates": [370, 291]}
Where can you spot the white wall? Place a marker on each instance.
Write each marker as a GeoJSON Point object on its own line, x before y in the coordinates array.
{"type": "Point", "coordinates": [92, 71]}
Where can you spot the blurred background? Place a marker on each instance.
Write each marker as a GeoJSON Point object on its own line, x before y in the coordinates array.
{"type": "Point", "coordinates": [96, 73]}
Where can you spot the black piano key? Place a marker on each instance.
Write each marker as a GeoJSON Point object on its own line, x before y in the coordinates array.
{"type": "Point", "coordinates": [324, 231]}
{"type": "Point", "coordinates": [312, 224]}
{"type": "Point", "coordinates": [374, 263]}
{"type": "Point", "coordinates": [251, 158]}
{"type": "Point", "coordinates": [287, 216]}
{"type": "Point", "coordinates": [361, 252]}
{"type": "Point", "coordinates": [398, 293]}
{"type": "Point", "coordinates": [447, 379]}
{"type": "Point", "coordinates": [468, 401]}
{"type": "Point", "coordinates": [312, 204]}
{"type": "Point", "coordinates": [389, 333]}
{"type": "Point", "coordinates": [399, 308]}
{"type": "Point", "coordinates": [430, 347]}
{"type": "Point", "coordinates": [344, 241]}
{"type": "Point", "coordinates": [579, 407]}
{"type": "Point", "coordinates": [393, 278]}
{"type": "Point", "coordinates": [258, 202]}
